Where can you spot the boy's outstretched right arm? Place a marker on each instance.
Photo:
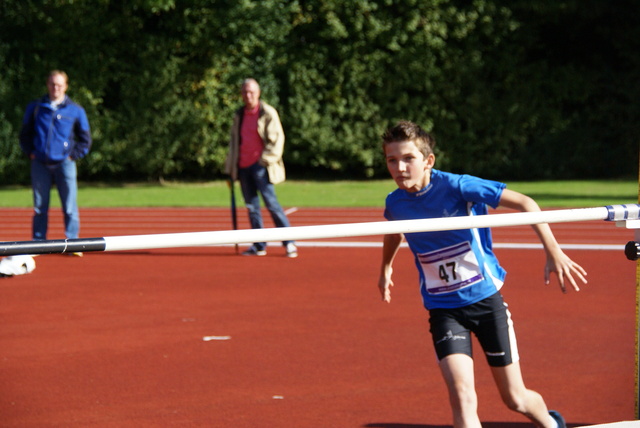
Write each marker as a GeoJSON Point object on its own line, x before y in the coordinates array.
{"type": "Point", "coordinates": [390, 246]}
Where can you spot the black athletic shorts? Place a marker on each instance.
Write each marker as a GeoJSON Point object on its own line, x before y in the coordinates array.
{"type": "Point", "coordinates": [489, 320]}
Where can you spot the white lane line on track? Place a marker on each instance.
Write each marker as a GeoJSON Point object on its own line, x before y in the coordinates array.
{"type": "Point", "coordinates": [514, 245]}
{"type": "Point", "coordinates": [291, 210]}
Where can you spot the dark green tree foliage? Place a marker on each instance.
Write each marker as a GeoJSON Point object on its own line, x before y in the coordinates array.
{"type": "Point", "coordinates": [583, 57]}
{"type": "Point", "coordinates": [520, 89]}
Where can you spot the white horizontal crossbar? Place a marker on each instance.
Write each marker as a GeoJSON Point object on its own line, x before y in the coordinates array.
{"type": "Point", "coordinates": [195, 239]}
{"type": "Point", "coordinates": [352, 229]}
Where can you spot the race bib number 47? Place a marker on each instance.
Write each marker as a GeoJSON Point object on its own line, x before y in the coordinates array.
{"type": "Point", "coordinates": [450, 269]}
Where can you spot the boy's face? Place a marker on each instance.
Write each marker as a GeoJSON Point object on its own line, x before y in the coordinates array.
{"type": "Point", "coordinates": [409, 168]}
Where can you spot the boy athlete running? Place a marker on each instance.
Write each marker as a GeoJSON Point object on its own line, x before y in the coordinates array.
{"type": "Point", "coordinates": [460, 277]}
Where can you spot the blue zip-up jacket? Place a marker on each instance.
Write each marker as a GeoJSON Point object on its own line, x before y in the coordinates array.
{"type": "Point", "coordinates": [53, 135]}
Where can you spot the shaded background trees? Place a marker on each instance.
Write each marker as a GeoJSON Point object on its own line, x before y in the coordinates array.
{"type": "Point", "coordinates": [525, 89]}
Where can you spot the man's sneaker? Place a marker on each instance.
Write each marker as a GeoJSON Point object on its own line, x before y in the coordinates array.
{"type": "Point", "coordinates": [292, 250]}
{"type": "Point", "coordinates": [253, 251]}
{"type": "Point", "coordinates": [558, 418]}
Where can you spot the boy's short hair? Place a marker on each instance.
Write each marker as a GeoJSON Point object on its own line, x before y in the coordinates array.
{"type": "Point", "coordinates": [409, 131]}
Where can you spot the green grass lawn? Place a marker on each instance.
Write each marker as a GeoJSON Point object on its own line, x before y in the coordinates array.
{"type": "Point", "coordinates": [370, 193]}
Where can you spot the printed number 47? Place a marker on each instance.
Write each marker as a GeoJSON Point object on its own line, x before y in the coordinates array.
{"type": "Point", "coordinates": [448, 271]}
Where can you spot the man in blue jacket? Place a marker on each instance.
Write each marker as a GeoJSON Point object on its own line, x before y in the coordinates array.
{"type": "Point", "coordinates": [55, 133]}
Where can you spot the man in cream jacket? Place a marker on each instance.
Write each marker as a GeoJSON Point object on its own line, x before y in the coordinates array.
{"type": "Point", "coordinates": [255, 159]}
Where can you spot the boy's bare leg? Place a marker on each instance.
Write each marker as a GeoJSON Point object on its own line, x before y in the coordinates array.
{"type": "Point", "coordinates": [520, 399]}
{"type": "Point", "coordinates": [457, 370]}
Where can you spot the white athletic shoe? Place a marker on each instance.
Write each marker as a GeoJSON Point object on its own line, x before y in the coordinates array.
{"type": "Point", "coordinates": [292, 250]}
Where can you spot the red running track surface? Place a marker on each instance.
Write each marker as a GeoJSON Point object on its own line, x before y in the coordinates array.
{"type": "Point", "coordinates": [118, 339]}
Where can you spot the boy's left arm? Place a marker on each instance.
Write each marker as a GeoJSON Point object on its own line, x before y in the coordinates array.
{"type": "Point", "coordinates": [557, 260]}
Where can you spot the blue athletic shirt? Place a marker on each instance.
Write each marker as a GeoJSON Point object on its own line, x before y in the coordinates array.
{"type": "Point", "coordinates": [457, 267]}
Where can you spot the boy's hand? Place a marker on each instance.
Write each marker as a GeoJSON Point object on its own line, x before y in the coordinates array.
{"type": "Point", "coordinates": [565, 268]}
{"type": "Point", "coordinates": [384, 284]}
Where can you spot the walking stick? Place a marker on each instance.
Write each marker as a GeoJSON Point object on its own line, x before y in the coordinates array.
{"type": "Point", "coordinates": [234, 212]}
